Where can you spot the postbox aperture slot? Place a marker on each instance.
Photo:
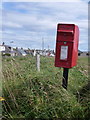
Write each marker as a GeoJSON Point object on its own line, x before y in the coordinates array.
{"type": "Point", "coordinates": [64, 52]}
{"type": "Point", "coordinates": [68, 33]}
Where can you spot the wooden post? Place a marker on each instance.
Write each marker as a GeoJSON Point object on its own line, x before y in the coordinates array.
{"type": "Point", "coordinates": [65, 78]}
{"type": "Point", "coordinates": [38, 62]}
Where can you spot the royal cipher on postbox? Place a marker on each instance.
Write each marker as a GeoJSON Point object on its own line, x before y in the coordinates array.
{"type": "Point", "coordinates": [66, 45]}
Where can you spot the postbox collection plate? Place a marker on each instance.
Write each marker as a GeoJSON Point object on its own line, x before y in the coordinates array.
{"type": "Point", "coordinates": [64, 53]}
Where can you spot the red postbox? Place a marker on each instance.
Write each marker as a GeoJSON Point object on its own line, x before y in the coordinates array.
{"type": "Point", "coordinates": [66, 45]}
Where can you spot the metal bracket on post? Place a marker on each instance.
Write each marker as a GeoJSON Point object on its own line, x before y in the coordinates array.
{"type": "Point", "coordinates": [65, 77]}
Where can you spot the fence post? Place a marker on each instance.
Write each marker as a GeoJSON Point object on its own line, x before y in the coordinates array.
{"type": "Point", "coordinates": [38, 62]}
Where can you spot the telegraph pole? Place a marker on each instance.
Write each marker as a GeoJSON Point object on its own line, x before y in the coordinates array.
{"type": "Point", "coordinates": [48, 47]}
{"type": "Point", "coordinates": [42, 44]}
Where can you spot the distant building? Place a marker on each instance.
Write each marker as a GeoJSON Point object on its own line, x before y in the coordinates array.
{"type": "Point", "coordinates": [7, 50]}
{"type": "Point", "coordinates": [2, 48]}
{"type": "Point", "coordinates": [20, 52]}
{"type": "Point", "coordinates": [84, 53]}
{"type": "Point", "coordinates": [34, 53]}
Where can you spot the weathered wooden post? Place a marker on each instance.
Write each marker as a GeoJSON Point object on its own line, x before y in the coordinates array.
{"type": "Point", "coordinates": [38, 62]}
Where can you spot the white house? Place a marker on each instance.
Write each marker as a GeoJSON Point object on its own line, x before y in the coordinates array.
{"type": "Point", "coordinates": [2, 48]}
{"type": "Point", "coordinates": [5, 49]}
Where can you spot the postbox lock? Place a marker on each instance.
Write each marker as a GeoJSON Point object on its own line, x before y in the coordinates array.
{"type": "Point", "coordinates": [65, 42]}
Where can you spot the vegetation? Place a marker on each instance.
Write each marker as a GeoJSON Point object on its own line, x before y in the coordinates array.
{"type": "Point", "coordinates": [6, 54]}
{"type": "Point", "coordinates": [31, 94]}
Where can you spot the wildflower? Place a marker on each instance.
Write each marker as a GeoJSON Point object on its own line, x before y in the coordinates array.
{"type": "Point", "coordinates": [2, 99]}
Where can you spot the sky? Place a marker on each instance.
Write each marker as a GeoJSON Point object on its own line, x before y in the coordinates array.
{"type": "Point", "coordinates": [27, 24]}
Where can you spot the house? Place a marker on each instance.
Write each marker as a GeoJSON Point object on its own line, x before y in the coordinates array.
{"type": "Point", "coordinates": [2, 48]}
{"type": "Point", "coordinates": [27, 51]}
{"type": "Point", "coordinates": [7, 50]}
{"type": "Point", "coordinates": [34, 53]}
{"type": "Point", "coordinates": [20, 52]}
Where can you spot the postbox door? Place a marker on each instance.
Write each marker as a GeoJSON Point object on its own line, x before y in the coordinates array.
{"type": "Point", "coordinates": [63, 54]}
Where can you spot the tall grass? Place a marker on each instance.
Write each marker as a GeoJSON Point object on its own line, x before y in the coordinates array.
{"type": "Point", "coordinates": [31, 94]}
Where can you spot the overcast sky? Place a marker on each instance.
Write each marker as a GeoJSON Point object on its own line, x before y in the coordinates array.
{"type": "Point", "coordinates": [28, 23]}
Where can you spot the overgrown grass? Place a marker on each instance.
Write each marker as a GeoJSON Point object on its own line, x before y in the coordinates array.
{"type": "Point", "coordinates": [31, 94]}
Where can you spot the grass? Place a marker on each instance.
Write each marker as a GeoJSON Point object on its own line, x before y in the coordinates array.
{"type": "Point", "coordinates": [31, 94]}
